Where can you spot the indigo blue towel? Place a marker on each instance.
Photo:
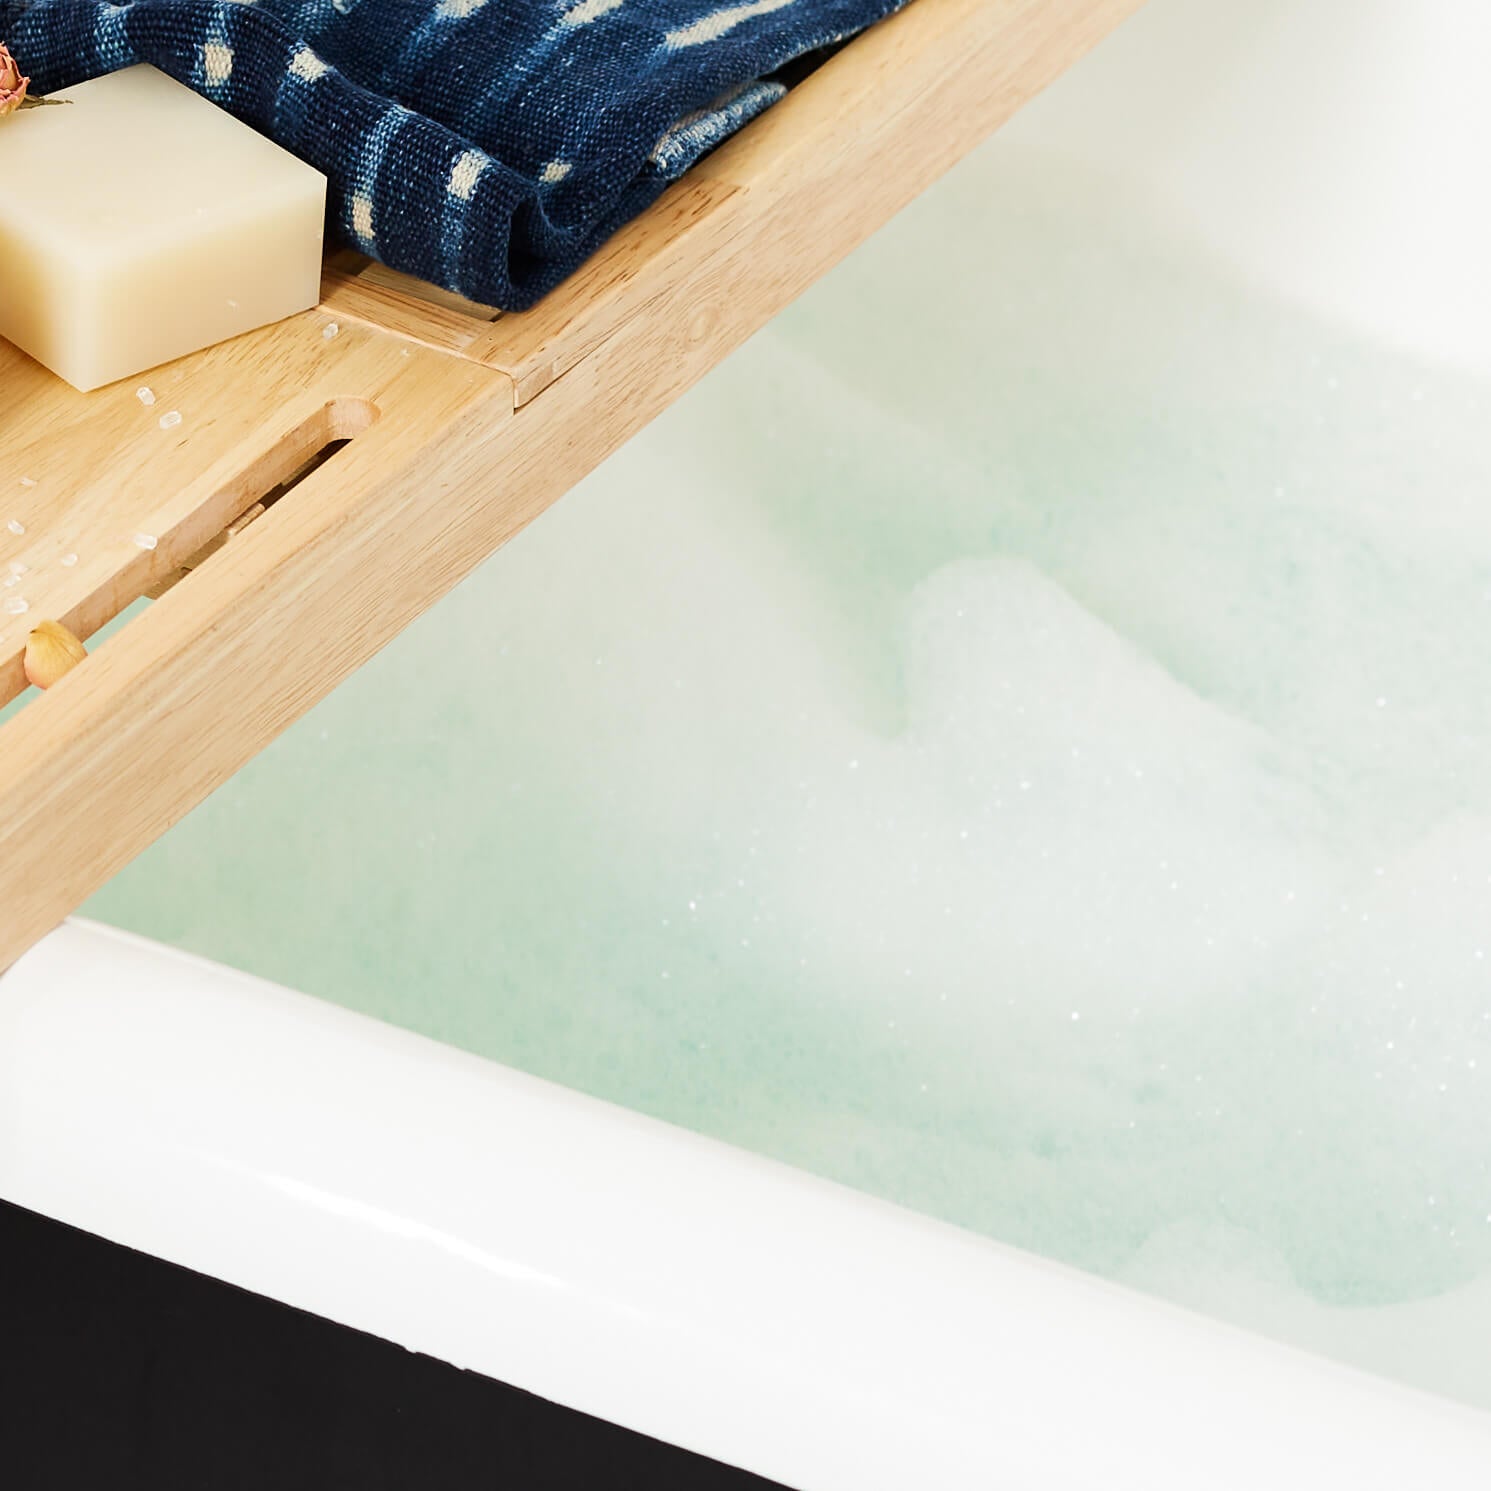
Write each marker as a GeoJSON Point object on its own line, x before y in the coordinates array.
{"type": "Point", "coordinates": [487, 145]}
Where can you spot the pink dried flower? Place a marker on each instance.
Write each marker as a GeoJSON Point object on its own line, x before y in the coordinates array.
{"type": "Point", "coordinates": [12, 84]}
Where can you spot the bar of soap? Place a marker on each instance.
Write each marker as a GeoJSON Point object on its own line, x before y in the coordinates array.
{"type": "Point", "coordinates": [142, 222]}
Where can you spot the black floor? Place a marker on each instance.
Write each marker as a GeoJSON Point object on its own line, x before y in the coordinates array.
{"type": "Point", "coordinates": [122, 1373]}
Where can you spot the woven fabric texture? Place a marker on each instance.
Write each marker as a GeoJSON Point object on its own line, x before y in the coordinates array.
{"type": "Point", "coordinates": [486, 145]}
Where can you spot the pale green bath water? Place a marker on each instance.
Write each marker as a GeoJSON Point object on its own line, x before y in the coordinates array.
{"type": "Point", "coordinates": [1026, 754]}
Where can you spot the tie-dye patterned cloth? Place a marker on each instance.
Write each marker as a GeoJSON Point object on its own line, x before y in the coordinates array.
{"type": "Point", "coordinates": [487, 145]}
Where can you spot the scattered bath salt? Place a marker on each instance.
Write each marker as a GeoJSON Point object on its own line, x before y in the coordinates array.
{"type": "Point", "coordinates": [28, 481]}
{"type": "Point", "coordinates": [146, 396]}
{"type": "Point", "coordinates": [11, 580]}
{"type": "Point", "coordinates": [171, 420]}
{"type": "Point", "coordinates": [16, 527]}
{"type": "Point", "coordinates": [145, 540]}
{"type": "Point", "coordinates": [19, 567]}
{"type": "Point", "coordinates": [330, 331]}
{"type": "Point", "coordinates": [232, 305]}
{"type": "Point", "coordinates": [68, 560]}
{"type": "Point", "coordinates": [17, 605]}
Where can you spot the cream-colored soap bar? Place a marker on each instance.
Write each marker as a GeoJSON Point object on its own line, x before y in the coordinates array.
{"type": "Point", "coordinates": [142, 222]}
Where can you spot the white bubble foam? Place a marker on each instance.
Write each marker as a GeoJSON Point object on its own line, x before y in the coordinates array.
{"type": "Point", "coordinates": [1041, 681]}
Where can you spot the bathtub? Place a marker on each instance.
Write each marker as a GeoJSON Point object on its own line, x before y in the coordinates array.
{"type": "Point", "coordinates": [614, 1265]}
{"type": "Point", "coordinates": [684, 1290]}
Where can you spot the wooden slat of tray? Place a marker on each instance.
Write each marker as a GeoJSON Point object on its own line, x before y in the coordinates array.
{"type": "Point", "coordinates": [463, 426]}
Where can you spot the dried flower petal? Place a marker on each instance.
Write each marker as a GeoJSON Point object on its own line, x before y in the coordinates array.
{"type": "Point", "coordinates": [51, 651]}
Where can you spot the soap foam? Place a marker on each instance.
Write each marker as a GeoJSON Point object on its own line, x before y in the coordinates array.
{"type": "Point", "coordinates": [1030, 759]}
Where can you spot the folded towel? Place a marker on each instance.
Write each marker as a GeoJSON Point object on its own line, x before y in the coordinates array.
{"type": "Point", "coordinates": [486, 145]}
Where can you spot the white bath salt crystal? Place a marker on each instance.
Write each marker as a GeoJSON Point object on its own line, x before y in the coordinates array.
{"type": "Point", "coordinates": [171, 420]}
{"type": "Point", "coordinates": [330, 331]}
{"type": "Point", "coordinates": [68, 561]}
{"type": "Point", "coordinates": [146, 396]}
{"type": "Point", "coordinates": [11, 580]}
{"type": "Point", "coordinates": [18, 567]}
{"type": "Point", "coordinates": [17, 605]}
{"type": "Point", "coordinates": [16, 527]}
{"type": "Point", "coordinates": [28, 481]}
{"type": "Point", "coordinates": [145, 540]}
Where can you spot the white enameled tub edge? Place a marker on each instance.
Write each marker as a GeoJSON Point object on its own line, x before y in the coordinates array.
{"type": "Point", "coordinates": [628, 1269]}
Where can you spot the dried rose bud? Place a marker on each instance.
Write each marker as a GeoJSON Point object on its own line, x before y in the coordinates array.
{"type": "Point", "coordinates": [51, 651]}
{"type": "Point", "coordinates": [12, 85]}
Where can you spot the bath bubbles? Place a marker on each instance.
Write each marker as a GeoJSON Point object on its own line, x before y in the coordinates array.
{"type": "Point", "coordinates": [1113, 674]}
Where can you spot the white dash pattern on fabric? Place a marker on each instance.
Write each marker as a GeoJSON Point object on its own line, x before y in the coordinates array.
{"type": "Point", "coordinates": [718, 23]}
{"type": "Point", "coordinates": [217, 63]}
{"type": "Point", "coordinates": [362, 217]}
{"type": "Point", "coordinates": [587, 11]}
{"type": "Point", "coordinates": [465, 173]}
{"type": "Point", "coordinates": [307, 66]}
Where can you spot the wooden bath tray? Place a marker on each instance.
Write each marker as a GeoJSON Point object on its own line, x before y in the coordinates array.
{"type": "Point", "coordinates": [396, 436]}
